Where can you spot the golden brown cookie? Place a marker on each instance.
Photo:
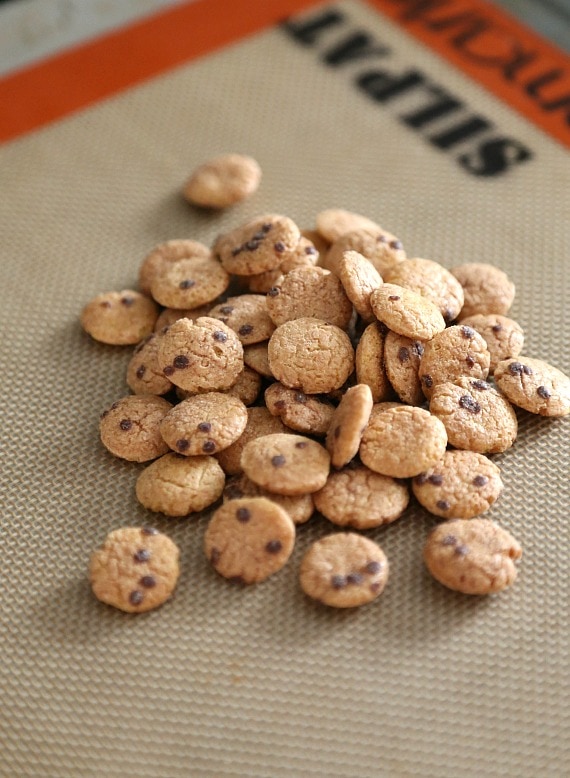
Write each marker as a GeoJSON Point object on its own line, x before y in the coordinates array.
{"type": "Point", "coordinates": [223, 181]}
{"type": "Point", "coordinates": [534, 385]}
{"type": "Point", "coordinates": [190, 283]}
{"type": "Point", "coordinates": [309, 292]}
{"type": "Point", "coordinates": [144, 375]}
{"type": "Point", "coordinates": [382, 249]}
{"type": "Point", "coordinates": [286, 464]}
{"type": "Point", "coordinates": [473, 556]}
{"type": "Point", "coordinates": [119, 318]}
{"type": "Point", "coordinates": [334, 222]}
{"type": "Point", "coordinates": [503, 336]}
{"type": "Point", "coordinates": [370, 366]}
{"type": "Point", "coordinates": [130, 428]}
{"type": "Point", "coordinates": [463, 485]}
{"type": "Point", "coordinates": [256, 357]}
{"type": "Point", "coordinates": [169, 315]}
{"type": "Point", "coordinates": [406, 312]}
{"type": "Point", "coordinates": [249, 539]}
{"type": "Point", "coordinates": [259, 422]}
{"type": "Point", "coordinates": [359, 278]}
{"type": "Point", "coordinates": [348, 424]}
{"type": "Point", "coordinates": [456, 352]}
{"type": "Point", "coordinates": [165, 254]}
{"type": "Point", "coordinates": [486, 288]}
{"type": "Point", "coordinates": [402, 362]}
{"type": "Point", "coordinates": [300, 507]}
{"type": "Point", "coordinates": [431, 280]}
{"type": "Point", "coordinates": [247, 386]}
{"type": "Point", "coordinates": [402, 442]}
{"type": "Point", "coordinates": [304, 255]}
{"type": "Point", "coordinates": [178, 486]}
{"type": "Point", "coordinates": [321, 244]}
{"type": "Point", "coordinates": [259, 245]}
{"type": "Point", "coordinates": [300, 412]}
{"type": "Point", "coordinates": [247, 316]}
{"type": "Point", "coordinates": [135, 570]}
{"type": "Point", "coordinates": [344, 570]}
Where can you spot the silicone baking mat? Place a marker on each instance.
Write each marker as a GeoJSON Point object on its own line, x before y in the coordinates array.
{"type": "Point", "coordinates": [441, 122]}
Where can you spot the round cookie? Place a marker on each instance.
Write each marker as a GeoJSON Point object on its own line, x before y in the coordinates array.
{"type": "Point", "coordinates": [247, 386]}
{"type": "Point", "coordinates": [476, 416]}
{"type": "Point", "coordinates": [135, 570]}
{"type": "Point", "coordinates": [359, 498]}
{"type": "Point", "coordinates": [130, 428]}
{"type": "Point", "coordinates": [473, 556]}
{"type": "Point", "coordinates": [259, 423]}
{"type": "Point", "coordinates": [190, 282]}
{"type": "Point", "coordinates": [259, 245]}
{"type": "Point", "coordinates": [286, 464]}
{"type": "Point", "coordinates": [223, 181]}
{"type": "Point", "coordinates": [204, 424]}
{"type": "Point", "coordinates": [359, 278]}
{"type": "Point", "coordinates": [201, 356]}
{"type": "Point", "coordinates": [178, 486]}
{"type": "Point", "coordinates": [463, 485]}
{"type": "Point", "coordinates": [402, 442]}
{"type": "Point", "coordinates": [119, 318]}
{"type": "Point", "coordinates": [456, 352]}
{"type": "Point", "coordinates": [300, 507]}
{"type": "Point", "coordinates": [348, 424]}
{"type": "Point", "coordinates": [369, 360]}
{"type": "Point", "coordinates": [382, 249]}
{"type": "Point", "coordinates": [309, 292]}
{"type": "Point", "coordinates": [503, 336]}
{"type": "Point", "coordinates": [406, 312]}
{"type": "Point", "coordinates": [304, 255]}
{"type": "Point", "coordinates": [298, 411]}
{"type": "Point", "coordinates": [169, 315]}
{"type": "Point", "coordinates": [256, 357]}
{"type": "Point", "coordinates": [402, 362]}
{"type": "Point", "coordinates": [344, 570]}
{"type": "Point", "coordinates": [310, 355]}
{"type": "Point", "coordinates": [486, 289]}
{"type": "Point", "coordinates": [431, 280]}
{"type": "Point", "coordinates": [334, 222]}
{"type": "Point", "coordinates": [247, 316]}
{"type": "Point", "coordinates": [249, 539]}
{"type": "Point", "coordinates": [165, 254]}
{"type": "Point", "coordinates": [534, 385]}
{"type": "Point", "coordinates": [144, 375]}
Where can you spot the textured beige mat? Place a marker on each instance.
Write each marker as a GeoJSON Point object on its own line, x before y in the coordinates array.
{"type": "Point", "coordinates": [261, 682]}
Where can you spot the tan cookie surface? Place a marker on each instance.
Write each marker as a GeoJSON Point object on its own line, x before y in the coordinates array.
{"type": "Point", "coordinates": [246, 387]}
{"type": "Point", "coordinates": [402, 362]}
{"type": "Point", "coordinates": [259, 422]}
{"type": "Point", "coordinates": [304, 255]}
{"type": "Point", "coordinates": [247, 315]}
{"type": "Point", "coordinates": [144, 375]}
{"type": "Point", "coordinates": [204, 424]}
{"type": "Point", "coordinates": [348, 423]}
{"type": "Point", "coordinates": [503, 336]}
{"type": "Point", "coordinates": [431, 280]}
{"type": "Point", "coordinates": [486, 288]}
{"type": "Point", "coordinates": [359, 498]}
{"type": "Point", "coordinates": [169, 315]}
{"type": "Point", "coordinates": [402, 442]}
{"type": "Point", "coordinates": [301, 412]}
{"type": "Point", "coordinates": [223, 181]}
{"type": "Point", "coordinates": [119, 318]}
{"type": "Point", "coordinates": [310, 355]}
{"type": "Point", "coordinates": [534, 385]}
{"type": "Point", "coordinates": [309, 292]}
{"type": "Point", "coordinates": [256, 357]}
{"type": "Point", "coordinates": [382, 249]}
{"type": "Point", "coordinates": [286, 464]}
{"type": "Point", "coordinates": [359, 279]}
{"type": "Point", "coordinates": [463, 485]}
{"type": "Point", "coordinates": [344, 570]}
{"type": "Point", "coordinates": [259, 245]}
{"type": "Point", "coordinates": [406, 312]}
{"type": "Point", "coordinates": [249, 539]}
{"type": "Point", "coordinates": [178, 486]}
{"type": "Point", "coordinates": [190, 282]}
{"type": "Point", "coordinates": [334, 222]}
{"type": "Point", "coordinates": [456, 352]}
{"type": "Point", "coordinates": [130, 428]}
{"type": "Point", "coordinates": [135, 570]}
{"type": "Point", "coordinates": [473, 556]}
{"type": "Point", "coordinates": [476, 416]}
{"type": "Point", "coordinates": [300, 507]}
{"type": "Point", "coordinates": [369, 362]}
{"type": "Point", "coordinates": [165, 254]}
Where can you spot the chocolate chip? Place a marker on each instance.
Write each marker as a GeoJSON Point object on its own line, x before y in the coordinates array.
{"type": "Point", "coordinates": [279, 247]}
{"type": "Point", "coordinates": [443, 505]}
{"type": "Point", "coordinates": [180, 362]}
{"type": "Point", "coordinates": [204, 426]}
{"type": "Point", "coordinates": [310, 250]}
{"type": "Point", "coordinates": [215, 555]}
{"type": "Point", "coordinates": [381, 239]}
{"type": "Point", "coordinates": [337, 430]}
{"type": "Point", "coordinates": [427, 380]}
{"type": "Point", "coordinates": [251, 245]}
{"type": "Point", "coordinates": [208, 446]}
{"type": "Point", "coordinates": [220, 336]}
{"type": "Point", "coordinates": [136, 597]}
{"type": "Point", "coordinates": [280, 404]}
{"type": "Point", "coordinates": [543, 392]}
{"type": "Point", "coordinates": [278, 460]}
{"type": "Point", "coordinates": [527, 370]}
{"type": "Point", "coordinates": [354, 578]}
{"type": "Point", "coordinates": [142, 555]}
{"type": "Point", "coordinates": [467, 402]}
{"type": "Point", "coordinates": [396, 244]}
{"type": "Point", "coordinates": [149, 531]}
{"type": "Point", "coordinates": [421, 479]}
{"type": "Point", "coordinates": [182, 444]}
{"type": "Point", "coordinates": [515, 368]}
{"type": "Point", "coordinates": [393, 297]}
{"type": "Point", "coordinates": [481, 385]}
{"type": "Point", "coordinates": [168, 370]}
{"type": "Point", "coordinates": [188, 283]}
{"type": "Point", "coordinates": [246, 329]}
{"type": "Point", "coordinates": [274, 546]}
{"type": "Point", "coordinates": [243, 515]}
{"type": "Point", "coordinates": [237, 250]}
{"type": "Point", "coordinates": [274, 291]}
{"type": "Point", "coordinates": [417, 348]}
{"type": "Point", "coordinates": [300, 397]}
{"type": "Point", "coordinates": [480, 480]}
{"type": "Point", "coordinates": [148, 581]}
{"type": "Point", "coordinates": [467, 332]}
{"type": "Point", "coordinates": [461, 550]}
{"type": "Point", "coordinates": [125, 424]}
{"type": "Point", "coordinates": [469, 361]}
{"type": "Point", "coordinates": [114, 406]}
{"type": "Point", "coordinates": [266, 227]}
{"type": "Point", "coordinates": [226, 309]}
{"type": "Point", "coordinates": [436, 479]}
{"type": "Point", "coordinates": [140, 371]}
{"type": "Point", "coordinates": [338, 581]}
{"type": "Point", "coordinates": [449, 540]}
{"type": "Point", "coordinates": [375, 586]}
{"type": "Point", "coordinates": [403, 354]}
{"type": "Point", "coordinates": [497, 327]}
{"type": "Point", "coordinates": [448, 315]}
{"type": "Point", "coordinates": [127, 301]}
{"type": "Point", "coordinates": [259, 235]}
{"type": "Point", "coordinates": [301, 444]}
{"type": "Point", "coordinates": [105, 304]}
{"type": "Point", "coordinates": [373, 567]}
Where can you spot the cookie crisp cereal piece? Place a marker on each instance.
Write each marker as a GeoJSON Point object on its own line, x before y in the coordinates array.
{"type": "Point", "coordinates": [304, 255]}
{"type": "Point", "coordinates": [190, 282]}
{"type": "Point", "coordinates": [456, 352]}
{"type": "Point", "coordinates": [334, 222]}
{"type": "Point", "coordinates": [431, 280]}
{"type": "Point", "coordinates": [300, 412]}
{"type": "Point", "coordinates": [348, 423]}
{"type": "Point", "coordinates": [260, 422]}
{"type": "Point", "coordinates": [300, 507]}
{"type": "Point", "coordinates": [359, 278]}
{"type": "Point", "coordinates": [259, 245]}
{"type": "Point", "coordinates": [503, 336]}
{"type": "Point", "coordinates": [286, 464]}
{"type": "Point", "coordinates": [402, 362]}
{"type": "Point", "coordinates": [130, 428]}
{"type": "Point", "coordinates": [166, 254]}
{"type": "Point", "coordinates": [486, 288]}
{"type": "Point", "coordinates": [247, 315]}
{"type": "Point", "coordinates": [370, 369]}
{"type": "Point", "coordinates": [223, 181]}
{"type": "Point", "coordinates": [406, 312]}
{"type": "Point", "coordinates": [144, 375]}
{"type": "Point", "coordinates": [534, 385]}
{"type": "Point", "coordinates": [382, 249]}
{"type": "Point", "coordinates": [309, 292]}
{"type": "Point", "coordinates": [119, 318]}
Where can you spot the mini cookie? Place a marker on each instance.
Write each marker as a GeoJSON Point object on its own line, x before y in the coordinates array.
{"type": "Point", "coordinates": [165, 254]}
{"type": "Point", "coordinates": [457, 351]}
{"type": "Point", "coordinates": [476, 416]}
{"type": "Point", "coordinates": [119, 318]}
{"type": "Point", "coordinates": [370, 369]}
{"type": "Point", "coordinates": [382, 249]}
{"type": "Point", "coordinates": [189, 283]}
{"type": "Point", "coordinates": [261, 244]}
{"type": "Point", "coordinates": [246, 387]}
{"type": "Point", "coordinates": [348, 423]}
{"type": "Point", "coordinates": [256, 357]}
{"type": "Point", "coordinates": [177, 485]}
{"type": "Point", "coordinates": [321, 244]}
{"type": "Point", "coordinates": [169, 315]}
{"type": "Point", "coordinates": [472, 556]}
{"type": "Point", "coordinates": [310, 292]}
{"type": "Point", "coordinates": [201, 356]}
{"type": "Point", "coordinates": [486, 289]}
{"type": "Point", "coordinates": [304, 255]}
{"type": "Point", "coordinates": [144, 375]}
{"type": "Point", "coordinates": [286, 464]}
{"type": "Point", "coordinates": [503, 336]}
{"type": "Point", "coordinates": [300, 507]}
{"type": "Point", "coordinates": [249, 539]}
{"type": "Point", "coordinates": [402, 442]}
{"type": "Point", "coordinates": [334, 222]}
{"type": "Point", "coordinates": [130, 428]}
{"type": "Point", "coordinates": [135, 570]}
{"type": "Point", "coordinates": [463, 485]}
{"type": "Point", "coordinates": [431, 280]}
{"type": "Point", "coordinates": [406, 312]}
{"type": "Point", "coordinates": [259, 423]}
{"type": "Point", "coordinates": [402, 362]}
{"type": "Point", "coordinates": [248, 317]}
{"type": "Point", "coordinates": [356, 497]}
{"type": "Point", "coordinates": [298, 411]}
{"type": "Point", "coordinates": [344, 570]}
{"type": "Point", "coordinates": [310, 355]}
{"type": "Point", "coordinates": [204, 424]}
{"type": "Point", "coordinates": [534, 385]}
{"type": "Point", "coordinates": [359, 278]}
{"type": "Point", "coordinates": [223, 181]}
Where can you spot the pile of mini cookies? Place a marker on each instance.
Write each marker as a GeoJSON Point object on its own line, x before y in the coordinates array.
{"type": "Point", "coordinates": [284, 371]}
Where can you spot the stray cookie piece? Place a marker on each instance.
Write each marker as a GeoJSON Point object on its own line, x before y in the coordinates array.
{"type": "Point", "coordinates": [406, 312]}
{"type": "Point", "coordinates": [204, 424]}
{"type": "Point", "coordinates": [456, 352]}
{"type": "Point", "coordinates": [259, 245]}
{"type": "Point", "coordinates": [344, 570]}
{"type": "Point", "coordinates": [166, 254]}
{"type": "Point", "coordinates": [486, 289]}
{"type": "Point", "coordinates": [136, 569]}
{"type": "Point", "coordinates": [300, 507]}
{"type": "Point", "coordinates": [534, 385]}
{"type": "Point", "coordinates": [249, 539]}
{"type": "Point", "coordinates": [503, 336]}
{"type": "Point", "coordinates": [301, 412]}
{"type": "Point", "coordinates": [223, 181]}
{"type": "Point", "coordinates": [472, 556]}
{"type": "Point", "coordinates": [359, 278]}
{"type": "Point", "coordinates": [431, 280]}
{"type": "Point", "coordinates": [119, 318]}
{"type": "Point", "coordinates": [286, 464]}
{"type": "Point", "coordinates": [130, 428]}
{"type": "Point", "coordinates": [309, 292]}
{"type": "Point", "coordinates": [348, 424]}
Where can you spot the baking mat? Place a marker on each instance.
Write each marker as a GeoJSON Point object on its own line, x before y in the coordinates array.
{"type": "Point", "coordinates": [225, 681]}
